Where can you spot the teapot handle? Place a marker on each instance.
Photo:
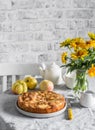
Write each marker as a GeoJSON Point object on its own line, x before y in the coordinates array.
{"type": "Point", "coordinates": [43, 66]}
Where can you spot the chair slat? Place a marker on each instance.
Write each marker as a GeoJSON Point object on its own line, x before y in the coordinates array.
{"type": "Point", "coordinates": [13, 78]}
{"type": "Point", "coordinates": [4, 84]}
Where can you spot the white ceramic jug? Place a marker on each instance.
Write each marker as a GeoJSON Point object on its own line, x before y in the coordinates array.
{"type": "Point", "coordinates": [87, 99]}
{"type": "Point", "coordinates": [69, 79]}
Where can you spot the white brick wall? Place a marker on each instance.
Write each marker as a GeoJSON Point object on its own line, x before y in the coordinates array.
{"type": "Point", "coordinates": [30, 30]}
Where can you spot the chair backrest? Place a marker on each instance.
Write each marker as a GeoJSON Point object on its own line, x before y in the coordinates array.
{"type": "Point", "coordinates": [16, 70]}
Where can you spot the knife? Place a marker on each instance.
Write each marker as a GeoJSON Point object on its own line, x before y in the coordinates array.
{"type": "Point", "coordinates": [69, 109]}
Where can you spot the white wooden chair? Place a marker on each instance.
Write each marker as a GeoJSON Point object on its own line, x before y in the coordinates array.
{"type": "Point", "coordinates": [16, 70]}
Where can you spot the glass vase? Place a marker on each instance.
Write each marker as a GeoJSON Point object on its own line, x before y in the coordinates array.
{"type": "Point", "coordinates": [81, 82]}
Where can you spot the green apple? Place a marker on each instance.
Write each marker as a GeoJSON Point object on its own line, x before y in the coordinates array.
{"type": "Point", "coordinates": [31, 82]}
{"type": "Point", "coordinates": [19, 87]}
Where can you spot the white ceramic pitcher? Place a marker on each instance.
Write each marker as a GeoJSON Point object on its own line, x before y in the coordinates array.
{"type": "Point", "coordinates": [69, 79]}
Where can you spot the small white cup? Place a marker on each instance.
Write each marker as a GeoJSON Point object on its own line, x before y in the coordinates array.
{"type": "Point", "coordinates": [87, 99]}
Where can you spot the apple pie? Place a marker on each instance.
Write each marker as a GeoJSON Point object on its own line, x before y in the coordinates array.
{"type": "Point", "coordinates": [41, 102]}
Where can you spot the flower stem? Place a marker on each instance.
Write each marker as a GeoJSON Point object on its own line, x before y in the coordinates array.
{"type": "Point", "coordinates": [81, 81]}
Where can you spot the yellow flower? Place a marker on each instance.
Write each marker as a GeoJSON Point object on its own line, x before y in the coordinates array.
{"type": "Point", "coordinates": [90, 44]}
{"type": "Point", "coordinates": [91, 71]}
{"type": "Point", "coordinates": [65, 43]}
{"type": "Point", "coordinates": [77, 43]}
{"type": "Point", "coordinates": [79, 54]}
{"type": "Point", "coordinates": [73, 44]}
{"type": "Point", "coordinates": [63, 57]}
{"type": "Point", "coordinates": [93, 43]}
{"type": "Point", "coordinates": [74, 56]}
{"type": "Point", "coordinates": [91, 35]}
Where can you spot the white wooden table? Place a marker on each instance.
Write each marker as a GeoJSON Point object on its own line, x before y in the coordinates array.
{"type": "Point", "coordinates": [11, 119]}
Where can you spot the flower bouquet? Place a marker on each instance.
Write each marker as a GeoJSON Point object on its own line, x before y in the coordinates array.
{"type": "Point", "coordinates": [81, 58]}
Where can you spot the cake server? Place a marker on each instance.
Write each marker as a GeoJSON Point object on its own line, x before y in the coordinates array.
{"type": "Point", "coordinates": [69, 109]}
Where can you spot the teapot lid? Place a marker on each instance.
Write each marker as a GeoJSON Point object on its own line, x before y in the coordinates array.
{"type": "Point", "coordinates": [53, 65]}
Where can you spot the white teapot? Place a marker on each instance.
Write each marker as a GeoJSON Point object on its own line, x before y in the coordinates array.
{"type": "Point", "coordinates": [53, 73]}
{"type": "Point", "coordinates": [87, 99]}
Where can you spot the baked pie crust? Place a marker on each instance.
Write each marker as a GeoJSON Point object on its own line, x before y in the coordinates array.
{"type": "Point", "coordinates": [41, 102]}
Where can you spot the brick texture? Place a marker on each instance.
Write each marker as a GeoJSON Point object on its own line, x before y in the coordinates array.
{"type": "Point", "coordinates": [31, 30]}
